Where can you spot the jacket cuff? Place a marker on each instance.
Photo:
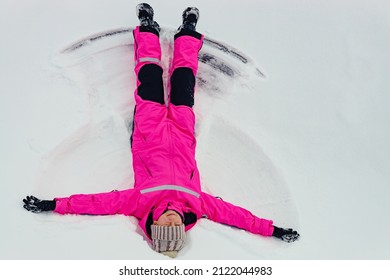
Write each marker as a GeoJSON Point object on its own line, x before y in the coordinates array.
{"type": "Point", "coordinates": [61, 205]}
{"type": "Point", "coordinates": [266, 227]}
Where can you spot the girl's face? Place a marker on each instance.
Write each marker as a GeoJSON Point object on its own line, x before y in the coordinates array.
{"type": "Point", "coordinates": [169, 218]}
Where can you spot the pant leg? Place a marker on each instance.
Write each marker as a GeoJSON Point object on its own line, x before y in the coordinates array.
{"type": "Point", "coordinates": [150, 109]}
{"type": "Point", "coordinates": [183, 72]}
{"type": "Point", "coordinates": [147, 57]}
{"type": "Point", "coordinates": [184, 67]}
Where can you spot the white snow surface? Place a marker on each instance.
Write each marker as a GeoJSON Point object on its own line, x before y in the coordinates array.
{"type": "Point", "coordinates": [306, 145]}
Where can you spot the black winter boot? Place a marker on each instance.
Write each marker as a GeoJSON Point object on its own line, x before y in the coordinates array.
{"type": "Point", "coordinates": [190, 19]}
{"type": "Point", "coordinates": [145, 15]}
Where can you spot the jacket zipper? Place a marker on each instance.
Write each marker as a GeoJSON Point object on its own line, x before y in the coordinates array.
{"type": "Point", "coordinates": [170, 139]}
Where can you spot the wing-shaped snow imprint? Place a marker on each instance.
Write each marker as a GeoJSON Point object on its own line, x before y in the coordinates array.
{"type": "Point", "coordinates": [96, 157]}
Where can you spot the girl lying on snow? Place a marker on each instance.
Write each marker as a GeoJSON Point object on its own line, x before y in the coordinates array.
{"type": "Point", "coordinates": [167, 198]}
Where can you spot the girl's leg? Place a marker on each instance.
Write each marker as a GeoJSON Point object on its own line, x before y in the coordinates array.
{"type": "Point", "coordinates": [183, 73]}
{"type": "Point", "coordinates": [147, 57]}
{"type": "Point", "coordinates": [150, 109]}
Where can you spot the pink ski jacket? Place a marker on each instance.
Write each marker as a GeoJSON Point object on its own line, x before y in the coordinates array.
{"type": "Point", "coordinates": [163, 148]}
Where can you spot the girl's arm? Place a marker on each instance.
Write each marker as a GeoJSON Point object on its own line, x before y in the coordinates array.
{"type": "Point", "coordinates": [108, 203]}
{"type": "Point", "coordinates": [223, 212]}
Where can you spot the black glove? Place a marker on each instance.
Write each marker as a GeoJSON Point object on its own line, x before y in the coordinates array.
{"type": "Point", "coordinates": [35, 205]}
{"type": "Point", "coordinates": [286, 234]}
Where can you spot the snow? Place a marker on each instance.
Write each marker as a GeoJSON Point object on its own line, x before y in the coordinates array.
{"type": "Point", "coordinates": [306, 146]}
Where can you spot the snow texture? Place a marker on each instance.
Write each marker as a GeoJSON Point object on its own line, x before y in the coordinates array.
{"type": "Point", "coordinates": [292, 124]}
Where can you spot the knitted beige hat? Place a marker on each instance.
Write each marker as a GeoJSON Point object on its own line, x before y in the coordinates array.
{"type": "Point", "coordinates": [168, 239]}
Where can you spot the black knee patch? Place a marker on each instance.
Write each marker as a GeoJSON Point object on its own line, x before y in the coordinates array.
{"type": "Point", "coordinates": [182, 87]}
{"type": "Point", "coordinates": [151, 87]}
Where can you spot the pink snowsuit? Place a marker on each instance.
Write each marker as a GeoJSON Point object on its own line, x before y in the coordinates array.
{"type": "Point", "coordinates": [163, 148]}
